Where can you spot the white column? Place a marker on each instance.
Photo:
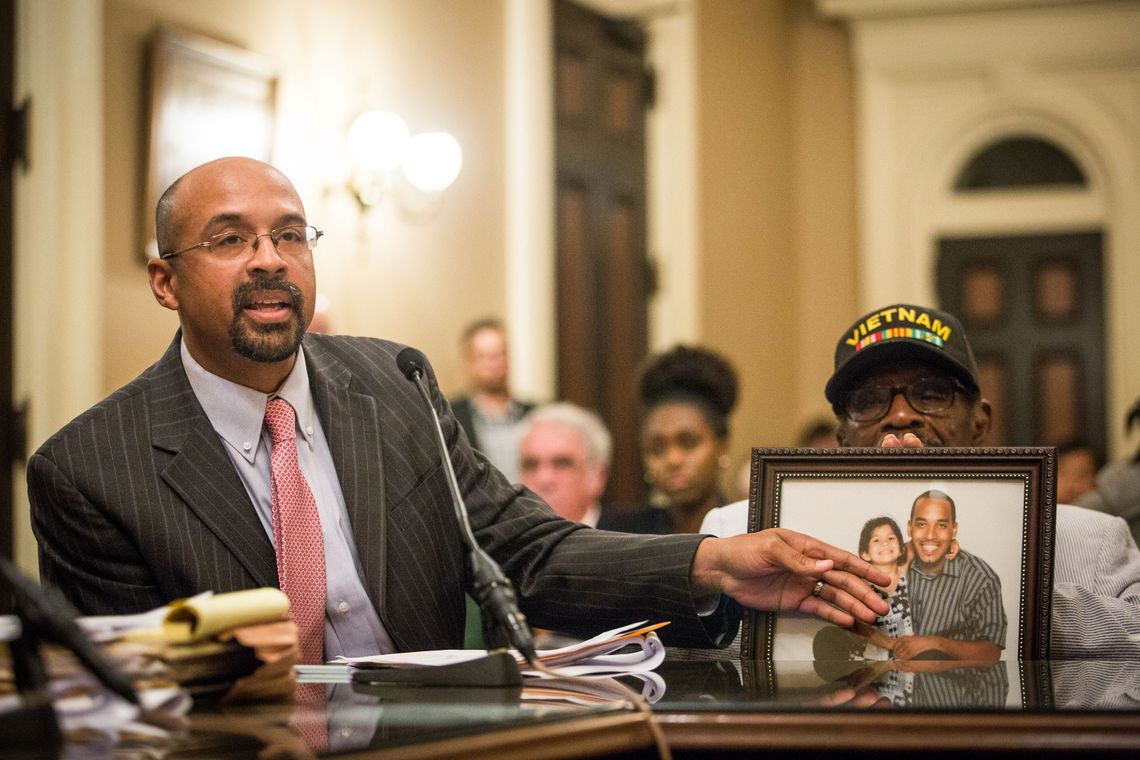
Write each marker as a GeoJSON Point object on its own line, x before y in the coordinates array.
{"type": "Point", "coordinates": [59, 231]}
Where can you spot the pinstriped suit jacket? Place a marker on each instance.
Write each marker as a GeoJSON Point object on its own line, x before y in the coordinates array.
{"type": "Point", "coordinates": [135, 503]}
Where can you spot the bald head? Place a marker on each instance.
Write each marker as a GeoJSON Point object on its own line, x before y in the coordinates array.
{"type": "Point", "coordinates": [243, 312]}
{"type": "Point", "coordinates": [170, 213]}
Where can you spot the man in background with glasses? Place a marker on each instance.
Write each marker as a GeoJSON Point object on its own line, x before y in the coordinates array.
{"type": "Point", "coordinates": [905, 375]}
{"type": "Point", "coordinates": [254, 454]}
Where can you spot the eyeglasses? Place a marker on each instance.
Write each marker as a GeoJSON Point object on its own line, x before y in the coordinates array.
{"type": "Point", "coordinates": [292, 240]}
{"type": "Point", "coordinates": [926, 395]}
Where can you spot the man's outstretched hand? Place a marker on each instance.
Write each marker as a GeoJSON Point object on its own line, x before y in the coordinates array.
{"type": "Point", "coordinates": [777, 569]}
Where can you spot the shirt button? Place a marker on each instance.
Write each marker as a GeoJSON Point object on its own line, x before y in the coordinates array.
{"type": "Point", "coordinates": [342, 606]}
{"type": "Point", "coordinates": [247, 446]}
{"type": "Point", "coordinates": [309, 430]}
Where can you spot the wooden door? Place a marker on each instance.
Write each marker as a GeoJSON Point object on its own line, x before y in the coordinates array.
{"type": "Point", "coordinates": [1033, 307]}
{"type": "Point", "coordinates": [601, 97]}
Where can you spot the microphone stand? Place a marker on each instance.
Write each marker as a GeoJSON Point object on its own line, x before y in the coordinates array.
{"type": "Point", "coordinates": [491, 590]}
{"type": "Point", "coordinates": [43, 615]}
{"type": "Point", "coordinates": [46, 616]}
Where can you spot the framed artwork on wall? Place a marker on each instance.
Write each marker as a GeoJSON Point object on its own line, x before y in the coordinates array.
{"type": "Point", "coordinates": [207, 99]}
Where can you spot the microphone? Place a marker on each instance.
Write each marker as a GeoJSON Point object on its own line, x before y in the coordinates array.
{"type": "Point", "coordinates": [490, 588]}
{"type": "Point", "coordinates": [47, 616]}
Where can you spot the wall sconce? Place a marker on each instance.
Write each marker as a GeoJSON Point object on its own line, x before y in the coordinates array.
{"type": "Point", "coordinates": [387, 160]}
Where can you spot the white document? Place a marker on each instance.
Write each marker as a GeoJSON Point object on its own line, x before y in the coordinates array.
{"type": "Point", "coordinates": [594, 656]}
{"type": "Point", "coordinates": [102, 628]}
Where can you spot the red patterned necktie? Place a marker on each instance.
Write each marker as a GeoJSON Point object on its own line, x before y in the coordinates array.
{"type": "Point", "coordinates": [297, 533]}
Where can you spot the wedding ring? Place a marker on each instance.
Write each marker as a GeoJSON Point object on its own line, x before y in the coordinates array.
{"type": "Point", "coordinates": [818, 588]}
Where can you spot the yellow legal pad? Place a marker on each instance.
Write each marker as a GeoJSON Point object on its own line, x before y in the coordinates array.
{"type": "Point", "coordinates": [197, 619]}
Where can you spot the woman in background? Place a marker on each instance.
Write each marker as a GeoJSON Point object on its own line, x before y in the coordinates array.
{"type": "Point", "coordinates": [687, 395]}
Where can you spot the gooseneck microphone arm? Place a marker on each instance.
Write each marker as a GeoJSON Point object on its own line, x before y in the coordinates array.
{"type": "Point", "coordinates": [47, 616]}
{"type": "Point", "coordinates": [490, 588]}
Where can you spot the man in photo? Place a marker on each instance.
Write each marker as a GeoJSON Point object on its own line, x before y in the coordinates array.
{"type": "Point", "coordinates": [955, 605]}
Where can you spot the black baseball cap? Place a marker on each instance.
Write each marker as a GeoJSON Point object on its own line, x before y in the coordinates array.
{"type": "Point", "coordinates": [901, 331]}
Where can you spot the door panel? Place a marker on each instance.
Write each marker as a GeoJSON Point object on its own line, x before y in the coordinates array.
{"type": "Point", "coordinates": [1033, 307]}
{"type": "Point", "coordinates": [601, 96]}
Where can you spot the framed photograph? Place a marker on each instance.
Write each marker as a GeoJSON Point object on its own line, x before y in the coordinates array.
{"type": "Point", "coordinates": [208, 99]}
{"type": "Point", "coordinates": [965, 534]}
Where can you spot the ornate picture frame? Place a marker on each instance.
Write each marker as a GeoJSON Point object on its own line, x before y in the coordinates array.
{"type": "Point", "coordinates": [207, 99]}
{"type": "Point", "coordinates": [1005, 504]}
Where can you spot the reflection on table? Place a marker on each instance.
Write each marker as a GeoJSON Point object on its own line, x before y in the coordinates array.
{"type": "Point", "coordinates": [709, 705]}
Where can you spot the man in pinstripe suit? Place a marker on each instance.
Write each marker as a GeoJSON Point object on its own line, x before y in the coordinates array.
{"type": "Point", "coordinates": [163, 489]}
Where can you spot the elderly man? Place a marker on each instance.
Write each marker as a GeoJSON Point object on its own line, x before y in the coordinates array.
{"type": "Point", "coordinates": [905, 376]}
{"type": "Point", "coordinates": [564, 457]}
{"type": "Point", "coordinates": [256, 454]}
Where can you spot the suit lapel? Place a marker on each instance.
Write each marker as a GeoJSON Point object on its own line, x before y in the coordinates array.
{"type": "Point", "coordinates": [352, 423]}
{"type": "Point", "coordinates": [201, 472]}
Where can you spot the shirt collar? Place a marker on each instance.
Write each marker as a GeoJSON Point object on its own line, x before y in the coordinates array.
{"type": "Point", "coordinates": [511, 413]}
{"type": "Point", "coordinates": [949, 568]}
{"type": "Point", "coordinates": [237, 413]}
{"type": "Point", "coordinates": [593, 513]}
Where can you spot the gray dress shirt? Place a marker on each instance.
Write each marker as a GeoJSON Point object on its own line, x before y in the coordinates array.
{"type": "Point", "coordinates": [352, 626]}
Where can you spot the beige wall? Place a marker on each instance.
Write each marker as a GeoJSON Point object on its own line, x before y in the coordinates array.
{"type": "Point", "coordinates": [440, 64]}
{"type": "Point", "coordinates": [775, 212]}
{"type": "Point", "coordinates": [777, 207]}
{"type": "Point", "coordinates": [775, 157]}
{"type": "Point", "coordinates": [824, 235]}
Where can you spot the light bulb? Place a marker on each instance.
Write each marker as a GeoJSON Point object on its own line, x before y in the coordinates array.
{"type": "Point", "coordinates": [432, 161]}
{"type": "Point", "coordinates": [376, 140]}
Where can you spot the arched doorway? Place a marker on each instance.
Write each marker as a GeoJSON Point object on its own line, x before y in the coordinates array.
{"type": "Point", "coordinates": [939, 86]}
{"type": "Point", "coordinates": [1033, 302]}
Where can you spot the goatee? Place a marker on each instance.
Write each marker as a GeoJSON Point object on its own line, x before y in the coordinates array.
{"type": "Point", "coordinates": [261, 342]}
{"type": "Point", "coordinates": [930, 567]}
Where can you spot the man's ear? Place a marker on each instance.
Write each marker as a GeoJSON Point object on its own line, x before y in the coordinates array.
{"type": "Point", "coordinates": [161, 275]}
{"type": "Point", "coordinates": [982, 418]}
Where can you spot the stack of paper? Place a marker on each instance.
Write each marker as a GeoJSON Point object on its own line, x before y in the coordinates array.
{"type": "Point", "coordinates": [596, 656]}
{"type": "Point", "coordinates": [600, 655]}
{"type": "Point", "coordinates": [240, 644]}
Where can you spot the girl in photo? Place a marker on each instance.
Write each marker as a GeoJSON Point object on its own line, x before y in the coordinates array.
{"type": "Point", "coordinates": [881, 544]}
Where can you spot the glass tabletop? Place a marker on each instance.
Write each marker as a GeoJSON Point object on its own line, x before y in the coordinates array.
{"type": "Point", "coordinates": [700, 702]}
{"type": "Point", "coordinates": [939, 685]}
{"type": "Point", "coordinates": [356, 717]}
